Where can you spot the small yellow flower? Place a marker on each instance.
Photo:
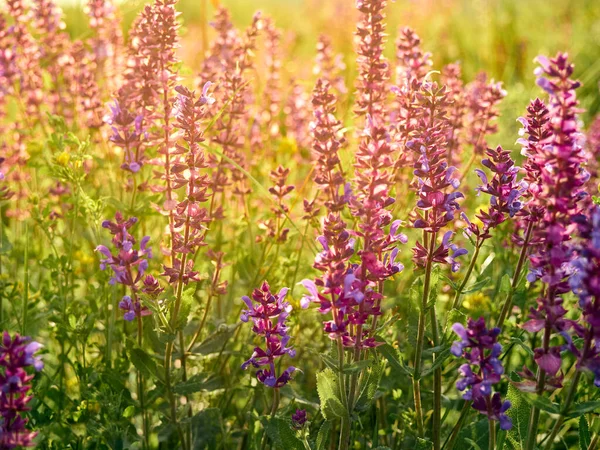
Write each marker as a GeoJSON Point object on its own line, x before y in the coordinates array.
{"type": "Point", "coordinates": [63, 159]}
{"type": "Point", "coordinates": [477, 301]}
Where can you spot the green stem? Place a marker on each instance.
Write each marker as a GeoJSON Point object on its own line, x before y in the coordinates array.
{"type": "Point", "coordinates": [567, 405]}
{"type": "Point", "coordinates": [170, 396]}
{"type": "Point", "coordinates": [275, 405]}
{"type": "Point", "coordinates": [595, 442]}
{"type": "Point", "coordinates": [421, 338]}
{"type": "Point", "coordinates": [25, 281]}
{"type": "Point", "coordinates": [449, 444]}
{"type": "Point", "coordinates": [534, 418]}
{"type": "Point", "coordinates": [141, 388]}
{"type": "Point", "coordinates": [461, 288]}
{"type": "Point", "coordinates": [516, 277]}
{"type": "Point", "coordinates": [345, 422]}
{"type": "Point", "coordinates": [492, 424]}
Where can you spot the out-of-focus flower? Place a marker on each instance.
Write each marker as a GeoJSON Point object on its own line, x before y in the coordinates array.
{"type": "Point", "coordinates": [269, 313]}
{"type": "Point", "coordinates": [16, 354]}
{"type": "Point", "coordinates": [327, 141]}
{"type": "Point", "coordinates": [585, 283]}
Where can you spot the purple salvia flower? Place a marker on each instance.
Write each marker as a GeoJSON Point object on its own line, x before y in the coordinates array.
{"type": "Point", "coordinates": [480, 347]}
{"type": "Point", "coordinates": [299, 419]}
{"type": "Point", "coordinates": [557, 158]}
{"type": "Point", "coordinates": [585, 283]}
{"type": "Point", "coordinates": [269, 313]}
{"type": "Point", "coordinates": [16, 354]}
{"type": "Point", "coordinates": [128, 264]}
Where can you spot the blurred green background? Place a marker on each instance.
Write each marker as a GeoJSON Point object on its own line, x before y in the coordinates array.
{"type": "Point", "coordinates": [501, 37]}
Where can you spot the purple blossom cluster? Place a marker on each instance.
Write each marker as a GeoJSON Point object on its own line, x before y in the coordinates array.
{"type": "Point", "coordinates": [437, 204]}
{"type": "Point", "coordinates": [128, 264]}
{"type": "Point", "coordinates": [585, 283]}
{"type": "Point", "coordinates": [504, 189]}
{"type": "Point", "coordinates": [480, 347]}
{"type": "Point", "coordinates": [269, 313]}
{"type": "Point", "coordinates": [340, 290]}
{"type": "Point", "coordinates": [16, 354]}
{"type": "Point", "coordinates": [559, 159]}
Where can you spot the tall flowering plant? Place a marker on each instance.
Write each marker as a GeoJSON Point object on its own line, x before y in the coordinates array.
{"type": "Point", "coordinates": [16, 355]}
{"type": "Point", "coordinates": [269, 313]}
{"type": "Point", "coordinates": [436, 207]}
{"type": "Point", "coordinates": [483, 369]}
{"type": "Point", "coordinates": [562, 177]}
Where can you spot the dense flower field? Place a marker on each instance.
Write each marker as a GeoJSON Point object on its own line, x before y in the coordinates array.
{"type": "Point", "coordinates": [244, 251]}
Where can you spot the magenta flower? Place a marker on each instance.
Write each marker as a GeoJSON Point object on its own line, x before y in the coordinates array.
{"type": "Point", "coordinates": [16, 354]}
{"type": "Point", "coordinates": [128, 264]}
{"type": "Point", "coordinates": [557, 158]}
{"type": "Point", "coordinates": [269, 313]}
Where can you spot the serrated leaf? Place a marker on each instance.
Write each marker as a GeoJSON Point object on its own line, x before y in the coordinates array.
{"type": "Point", "coordinates": [369, 386]}
{"type": "Point", "coordinates": [584, 434]}
{"type": "Point", "coordinates": [207, 429]}
{"type": "Point", "coordinates": [327, 388]}
{"type": "Point", "coordinates": [519, 412]}
{"type": "Point", "coordinates": [323, 436]}
{"type": "Point", "coordinates": [281, 434]}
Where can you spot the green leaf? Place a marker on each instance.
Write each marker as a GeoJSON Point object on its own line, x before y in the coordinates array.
{"type": "Point", "coordinates": [584, 434]}
{"type": "Point", "coordinates": [281, 434]}
{"type": "Point", "coordinates": [423, 444]}
{"type": "Point", "coordinates": [579, 409]}
{"type": "Point", "coordinates": [197, 383]}
{"type": "Point", "coordinates": [519, 412]}
{"type": "Point", "coordinates": [187, 298]}
{"type": "Point", "coordinates": [474, 435]}
{"type": "Point", "coordinates": [517, 341]}
{"type": "Point", "coordinates": [327, 387]}
{"type": "Point", "coordinates": [216, 341]}
{"type": "Point", "coordinates": [369, 386]}
{"type": "Point", "coordinates": [542, 403]}
{"type": "Point", "coordinates": [323, 436]}
{"type": "Point", "coordinates": [129, 411]}
{"type": "Point", "coordinates": [439, 360]}
{"type": "Point", "coordinates": [144, 363]}
{"type": "Point", "coordinates": [207, 429]}
{"type": "Point", "coordinates": [477, 286]}
{"type": "Point", "coordinates": [391, 354]}
{"type": "Point", "coordinates": [505, 284]}
{"type": "Point", "coordinates": [357, 367]}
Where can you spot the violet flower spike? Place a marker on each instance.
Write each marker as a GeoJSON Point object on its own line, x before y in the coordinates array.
{"type": "Point", "coordinates": [269, 313]}
{"type": "Point", "coordinates": [483, 369]}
